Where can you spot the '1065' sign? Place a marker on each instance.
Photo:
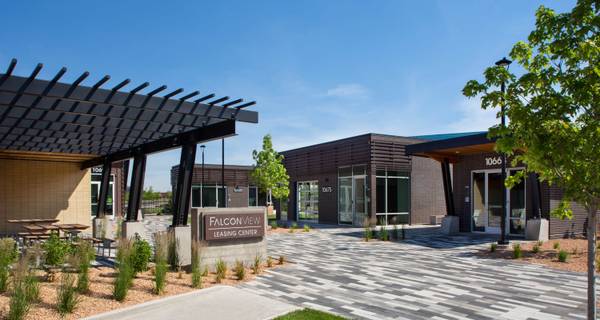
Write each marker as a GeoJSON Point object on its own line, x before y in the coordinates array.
{"type": "Point", "coordinates": [233, 226]}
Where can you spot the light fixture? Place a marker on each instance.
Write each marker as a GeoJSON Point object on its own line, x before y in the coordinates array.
{"type": "Point", "coordinates": [503, 62]}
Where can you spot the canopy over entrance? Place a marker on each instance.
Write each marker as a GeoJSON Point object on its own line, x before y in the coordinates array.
{"type": "Point", "coordinates": [92, 125]}
{"type": "Point", "coordinates": [452, 148]}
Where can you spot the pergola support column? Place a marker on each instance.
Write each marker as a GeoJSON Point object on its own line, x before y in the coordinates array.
{"type": "Point", "coordinates": [137, 187]}
{"type": "Point", "coordinates": [103, 195]}
{"type": "Point", "coordinates": [448, 194]}
{"type": "Point", "coordinates": [183, 189]}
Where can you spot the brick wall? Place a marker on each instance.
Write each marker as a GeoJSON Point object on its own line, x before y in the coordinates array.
{"type": "Point", "coordinates": [427, 190]}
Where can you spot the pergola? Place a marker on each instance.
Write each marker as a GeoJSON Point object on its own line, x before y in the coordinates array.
{"type": "Point", "coordinates": [98, 126]}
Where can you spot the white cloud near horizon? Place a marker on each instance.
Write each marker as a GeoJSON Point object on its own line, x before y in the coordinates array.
{"type": "Point", "coordinates": [472, 117]}
{"type": "Point", "coordinates": [348, 90]}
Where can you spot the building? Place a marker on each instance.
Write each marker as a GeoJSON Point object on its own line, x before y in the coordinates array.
{"type": "Point", "coordinates": [115, 200]}
{"type": "Point", "coordinates": [239, 189]}
{"type": "Point", "coordinates": [53, 132]}
{"type": "Point", "coordinates": [476, 190]}
{"type": "Point", "coordinates": [364, 177]}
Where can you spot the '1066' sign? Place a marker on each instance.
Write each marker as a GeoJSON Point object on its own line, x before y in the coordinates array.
{"type": "Point", "coordinates": [233, 226]}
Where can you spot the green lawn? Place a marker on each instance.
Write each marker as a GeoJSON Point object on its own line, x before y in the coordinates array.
{"type": "Point", "coordinates": [309, 314]}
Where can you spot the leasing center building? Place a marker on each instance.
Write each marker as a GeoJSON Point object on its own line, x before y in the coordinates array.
{"type": "Point", "coordinates": [475, 193]}
{"type": "Point", "coordinates": [364, 177]}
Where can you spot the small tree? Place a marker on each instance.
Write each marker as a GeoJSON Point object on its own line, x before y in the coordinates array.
{"type": "Point", "coordinates": [554, 111]}
{"type": "Point", "coordinates": [269, 173]}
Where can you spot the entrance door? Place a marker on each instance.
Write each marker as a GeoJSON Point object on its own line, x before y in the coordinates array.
{"type": "Point", "coordinates": [345, 200]}
{"type": "Point", "coordinates": [487, 188]}
{"type": "Point", "coordinates": [360, 200]}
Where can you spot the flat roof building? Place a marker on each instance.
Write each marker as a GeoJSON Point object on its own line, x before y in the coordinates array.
{"type": "Point", "coordinates": [476, 190]}
{"type": "Point", "coordinates": [365, 177]}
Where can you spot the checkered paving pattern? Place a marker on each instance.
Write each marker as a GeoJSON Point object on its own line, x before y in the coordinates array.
{"type": "Point", "coordinates": [432, 277]}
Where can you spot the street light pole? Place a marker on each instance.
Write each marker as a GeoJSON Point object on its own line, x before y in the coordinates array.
{"type": "Point", "coordinates": [202, 177]}
{"type": "Point", "coordinates": [503, 239]}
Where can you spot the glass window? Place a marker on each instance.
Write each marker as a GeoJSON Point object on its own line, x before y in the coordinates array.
{"type": "Point", "coordinates": [308, 200]}
{"type": "Point", "coordinates": [96, 182]}
{"type": "Point", "coordinates": [392, 197]}
{"type": "Point", "coordinates": [252, 196]}
{"type": "Point", "coordinates": [345, 172]}
{"type": "Point", "coordinates": [358, 170]}
{"type": "Point", "coordinates": [210, 194]}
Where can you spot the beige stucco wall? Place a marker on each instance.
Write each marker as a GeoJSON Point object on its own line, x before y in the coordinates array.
{"type": "Point", "coordinates": [43, 189]}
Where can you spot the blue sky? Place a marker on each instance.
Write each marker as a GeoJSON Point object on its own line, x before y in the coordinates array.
{"type": "Point", "coordinates": [319, 70]}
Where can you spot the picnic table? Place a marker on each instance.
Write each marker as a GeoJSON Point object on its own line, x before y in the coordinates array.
{"type": "Point", "coordinates": [40, 228]}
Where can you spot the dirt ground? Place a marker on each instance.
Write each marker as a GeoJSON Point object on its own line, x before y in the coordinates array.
{"type": "Point", "coordinates": [576, 248]}
{"type": "Point", "coordinates": [99, 298]}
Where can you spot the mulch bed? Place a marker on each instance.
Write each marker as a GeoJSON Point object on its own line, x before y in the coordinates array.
{"type": "Point", "coordinates": [548, 256]}
{"type": "Point", "coordinates": [99, 298]}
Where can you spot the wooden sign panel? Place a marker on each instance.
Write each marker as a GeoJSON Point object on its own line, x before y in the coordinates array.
{"type": "Point", "coordinates": [233, 226]}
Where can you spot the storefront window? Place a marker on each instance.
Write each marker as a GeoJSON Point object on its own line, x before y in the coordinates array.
{"type": "Point", "coordinates": [393, 197]}
{"type": "Point", "coordinates": [96, 181]}
{"type": "Point", "coordinates": [256, 197]}
{"type": "Point", "coordinates": [308, 200]}
{"type": "Point", "coordinates": [517, 207]}
{"type": "Point", "coordinates": [210, 196]}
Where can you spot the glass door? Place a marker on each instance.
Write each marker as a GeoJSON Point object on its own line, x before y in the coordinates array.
{"type": "Point", "coordinates": [494, 201]}
{"type": "Point", "coordinates": [360, 203]}
{"type": "Point", "coordinates": [517, 217]}
{"type": "Point", "coordinates": [345, 200]}
{"type": "Point", "coordinates": [478, 200]}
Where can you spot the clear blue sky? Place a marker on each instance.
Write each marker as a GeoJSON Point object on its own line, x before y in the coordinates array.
{"type": "Point", "coordinates": [319, 70]}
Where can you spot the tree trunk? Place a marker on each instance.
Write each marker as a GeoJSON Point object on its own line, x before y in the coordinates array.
{"type": "Point", "coordinates": [591, 235]}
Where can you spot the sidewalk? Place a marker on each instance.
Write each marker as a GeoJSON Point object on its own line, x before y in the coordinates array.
{"type": "Point", "coordinates": [219, 302]}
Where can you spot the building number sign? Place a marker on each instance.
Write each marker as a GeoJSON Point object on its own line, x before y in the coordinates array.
{"type": "Point", "coordinates": [327, 189]}
{"type": "Point", "coordinates": [493, 161]}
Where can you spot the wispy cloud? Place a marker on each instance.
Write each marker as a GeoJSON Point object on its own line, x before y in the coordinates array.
{"type": "Point", "coordinates": [473, 118]}
{"type": "Point", "coordinates": [348, 90]}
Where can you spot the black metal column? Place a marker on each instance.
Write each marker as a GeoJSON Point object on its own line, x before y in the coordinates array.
{"type": "Point", "coordinates": [448, 194]}
{"type": "Point", "coordinates": [184, 184]}
{"type": "Point", "coordinates": [125, 182]}
{"type": "Point", "coordinates": [103, 195]}
{"type": "Point", "coordinates": [223, 173]}
{"type": "Point", "coordinates": [137, 186]}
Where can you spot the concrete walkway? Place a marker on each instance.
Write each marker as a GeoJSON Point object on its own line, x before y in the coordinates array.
{"type": "Point", "coordinates": [219, 302]}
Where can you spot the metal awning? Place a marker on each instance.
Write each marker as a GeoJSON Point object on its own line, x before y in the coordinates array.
{"type": "Point", "coordinates": [49, 116]}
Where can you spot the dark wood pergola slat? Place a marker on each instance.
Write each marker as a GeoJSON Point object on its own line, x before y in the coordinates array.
{"type": "Point", "coordinates": [52, 116]}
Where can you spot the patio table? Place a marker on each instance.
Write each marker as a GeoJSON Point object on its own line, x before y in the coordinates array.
{"type": "Point", "coordinates": [33, 221]}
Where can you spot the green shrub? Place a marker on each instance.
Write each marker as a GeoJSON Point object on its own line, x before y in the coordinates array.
{"type": "Point", "coordinates": [67, 297]}
{"type": "Point", "coordinates": [220, 270]}
{"type": "Point", "coordinates": [142, 252]}
{"type": "Point", "coordinates": [281, 259]}
{"type": "Point", "coordinates": [563, 256]}
{"type": "Point", "coordinates": [540, 243]}
{"type": "Point", "coordinates": [556, 245]}
{"type": "Point", "coordinates": [19, 301]}
{"type": "Point", "coordinates": [205, 271]}
{"type": "Point", "coordinates": [306, 228]}
{"type": "Point", "coordinates": [56, 250]}
{"type": "Point", "coordinates": [383, 234]}
{"type": "Point", "coordinates": [493, 247]}
{"type": "Point", "coordinates": [535, 249]}
{"type": "Point", "coordinates": [125, 271]}
{"type": "Point", "coordinates": [368, 233]}
{"type": "Point", "coordinates": [84, 255]}
{"type": "Point", "coordinates": [161, 251]}
{"type": "Point", "coordinates": [240, 270]}
{"type": "Point", "coordinates": [517, 253]}
{"type": "Point", "coordinates": [8, 256]}
{"type": "Point", "coordinates": [196, 275]}
{"type": "Point", "coordinates": [293, 227]}
{"type": "Point", "coordinates": [256, 265]}
{"type": "Point", "coordinates": [270, 261]}
{"type": "Point", "coordinates": [273, 224]}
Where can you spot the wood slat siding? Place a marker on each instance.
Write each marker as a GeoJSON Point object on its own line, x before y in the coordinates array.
{"type": "Point", "coordinates": [321, 162]}
{"type": "Point", "coordinates": [550, 196]}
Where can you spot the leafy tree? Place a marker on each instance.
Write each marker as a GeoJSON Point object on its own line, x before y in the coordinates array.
{"type": "Point", "coordinates": [269, 173]}
{"type": "Point", "coordinates": [554, 111]}
{"type": "Point", "coordinates": [150, 194]}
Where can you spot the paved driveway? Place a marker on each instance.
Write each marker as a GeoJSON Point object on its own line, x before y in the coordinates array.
{"type": "Point", "coordinates": [427, 278]}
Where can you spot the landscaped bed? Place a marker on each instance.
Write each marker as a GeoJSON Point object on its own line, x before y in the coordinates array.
{"type": "Point", "coordinates": [54, 280]}
{"type": "Point", "coordinates": [309, 314]}
{"type": "Point", "coordinates": [99, 297]}
{"type": "Point", "coordinates": [548, 253]}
